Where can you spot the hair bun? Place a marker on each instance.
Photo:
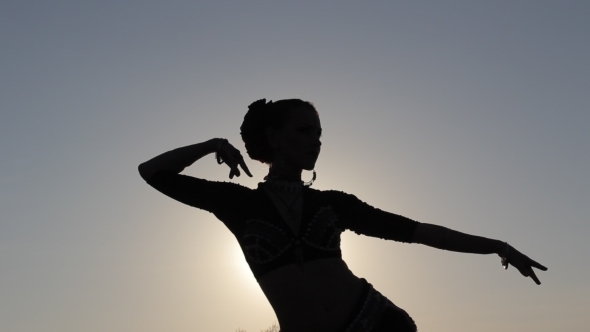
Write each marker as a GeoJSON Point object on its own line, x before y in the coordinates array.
{"type": "Point", "coordinates": [260, 116]}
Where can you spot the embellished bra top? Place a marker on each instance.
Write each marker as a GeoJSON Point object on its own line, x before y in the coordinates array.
{"type": "Point", "coordinates": [265, 238]}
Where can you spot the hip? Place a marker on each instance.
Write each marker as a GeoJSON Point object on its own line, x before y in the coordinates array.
{"type": "Point", "coordinates": [376, 313]}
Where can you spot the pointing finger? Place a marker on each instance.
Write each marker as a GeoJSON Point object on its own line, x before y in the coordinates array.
{"type": "Point", "coordinates": [244, 167]}
{"type": "Point", "coordinates": [538, 266]}
{"type": "Point", "coordinates": [534, 277]}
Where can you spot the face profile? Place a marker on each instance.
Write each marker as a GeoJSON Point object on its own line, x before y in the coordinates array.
{"type": "Point", "coordinates": [297, 144]}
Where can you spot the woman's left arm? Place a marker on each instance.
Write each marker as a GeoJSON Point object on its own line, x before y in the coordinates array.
{"type": "Point", "coordinates": [448, 239]}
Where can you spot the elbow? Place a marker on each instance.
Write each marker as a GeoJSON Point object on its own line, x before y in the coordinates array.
{"type": "Point", "coordinates": [431, 235]}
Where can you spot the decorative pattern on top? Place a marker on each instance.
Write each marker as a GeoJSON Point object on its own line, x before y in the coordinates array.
{"type": "Point", "coordinates": [264, 241]}
{"type": "Point", "coordinates": [322, 232]}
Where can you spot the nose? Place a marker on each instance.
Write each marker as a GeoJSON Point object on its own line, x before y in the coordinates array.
{"type": "Point", "coordinates": [316, 142]}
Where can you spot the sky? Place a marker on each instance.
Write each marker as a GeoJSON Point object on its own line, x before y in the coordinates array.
{"type": "Point", "coordinates": [474, 115]}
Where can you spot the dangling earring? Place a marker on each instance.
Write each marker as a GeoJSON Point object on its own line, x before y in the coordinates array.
{"type": "Point", "coordinates": [308, 184]}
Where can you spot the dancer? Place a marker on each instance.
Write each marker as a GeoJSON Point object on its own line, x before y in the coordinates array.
{"type": "Point", "coordinates": [290, 232]}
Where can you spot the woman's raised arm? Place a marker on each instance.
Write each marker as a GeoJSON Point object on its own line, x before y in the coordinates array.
{"type": "Point", "coordinates": [178, 159]}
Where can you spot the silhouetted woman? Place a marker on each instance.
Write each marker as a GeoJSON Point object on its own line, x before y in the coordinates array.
{"type": "Point", "coordinates": [290, 233]}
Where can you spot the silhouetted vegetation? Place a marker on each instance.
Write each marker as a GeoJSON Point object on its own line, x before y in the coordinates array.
{"type": "Point", "coordinates": [273, 328]}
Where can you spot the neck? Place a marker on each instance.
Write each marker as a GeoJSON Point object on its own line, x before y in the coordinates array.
{"type": "Point", "coordinates": [281, 172]}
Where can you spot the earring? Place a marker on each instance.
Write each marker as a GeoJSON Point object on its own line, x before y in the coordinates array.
{"type": "Point", "coordinates": [308, 184]}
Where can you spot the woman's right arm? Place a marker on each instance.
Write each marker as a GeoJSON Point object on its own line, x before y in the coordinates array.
{"type": "Point", "coordinates": [177, 160]}
{"type": "Point", "coordinates": [162, 173]}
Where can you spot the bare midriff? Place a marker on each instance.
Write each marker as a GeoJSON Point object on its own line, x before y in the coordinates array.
{"type": "Point", "coordinates": [322, 295]}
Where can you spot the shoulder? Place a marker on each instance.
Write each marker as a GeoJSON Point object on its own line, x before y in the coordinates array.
{"type": "Point", "coordinates": [342, 202]}
{"type": "Point", "coordinates": [334, 195]}
{"type": "Point", "coordinates": [200, 193]}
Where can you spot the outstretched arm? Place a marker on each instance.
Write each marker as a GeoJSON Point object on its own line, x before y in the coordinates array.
{"type": "Point", "coordinates": [448, 239]}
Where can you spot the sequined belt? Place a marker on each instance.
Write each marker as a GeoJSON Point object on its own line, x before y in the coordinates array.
{"type": "Point", "coordinates": [373, 310]}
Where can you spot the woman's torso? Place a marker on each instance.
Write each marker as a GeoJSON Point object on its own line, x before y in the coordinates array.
{"type": "Point", "coordinates": [316, 295]}
{"type": "Point", "coordinates": [297, 264]}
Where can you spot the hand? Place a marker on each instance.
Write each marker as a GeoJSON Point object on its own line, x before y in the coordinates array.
{"type": "Point", "coordinates": [522, 263]}
{"type": "Point", "coordinates": [232, 157]}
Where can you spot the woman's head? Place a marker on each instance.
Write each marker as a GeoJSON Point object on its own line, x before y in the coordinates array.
{"type": "Point", "coordinates": [285, 131]}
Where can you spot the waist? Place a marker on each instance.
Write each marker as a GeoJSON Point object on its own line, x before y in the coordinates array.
{"type": "Point", "coordinates": [319, 295]}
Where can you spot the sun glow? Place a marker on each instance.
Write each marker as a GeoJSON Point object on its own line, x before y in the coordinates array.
{"type": "Point", "coordinates": [239, 261]}
{"type": "Point", "coordinates": [239, 267]}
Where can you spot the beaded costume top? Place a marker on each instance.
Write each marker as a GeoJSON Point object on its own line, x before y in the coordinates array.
{"type": "Point", "coordinates": [266, 239]}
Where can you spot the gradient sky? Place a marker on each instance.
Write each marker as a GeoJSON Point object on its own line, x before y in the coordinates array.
{"type": "Point", "coordinates": [474, 115]}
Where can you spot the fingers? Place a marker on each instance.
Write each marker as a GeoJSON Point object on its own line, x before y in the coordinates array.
{"type": "Point", "coordinates": [538, 266]}
{"type": "Point", "coordinates": [234, 171]}
{"type": "Point", "coordinates": [244, 167]}
{"type": "Point", "coordinates": [534, 277]}
{"type": "Point", "coordinates": [527, 270]}
{"type": "Point", "coordinates": [233, 158]}
{"type": "Point", "coordinates": [525, 266]}
{"type": "Point", "coordinates": [532, 274]}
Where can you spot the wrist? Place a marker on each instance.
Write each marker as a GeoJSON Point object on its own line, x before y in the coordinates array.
{"type": "Point", "coordinates": [220, 143]}
{"type": "Point", "coordinates": [213, 144]}
{"type": "Point", "coordinates": [500, 248]}
{"type": "Point", "coordinates": [504, 255]}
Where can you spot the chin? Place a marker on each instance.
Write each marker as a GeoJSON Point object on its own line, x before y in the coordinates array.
{"type": "Point", "coordinates": [307, 162]}
{"type": "Point", "coordinates": [309, 166]}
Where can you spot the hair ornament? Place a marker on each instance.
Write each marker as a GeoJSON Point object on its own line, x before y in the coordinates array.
{"type": "Point", "coordinates": [260, 105]}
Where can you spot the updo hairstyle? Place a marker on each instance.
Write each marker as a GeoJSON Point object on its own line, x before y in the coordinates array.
{"type": "Point", "coordinates": [262, 115]}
